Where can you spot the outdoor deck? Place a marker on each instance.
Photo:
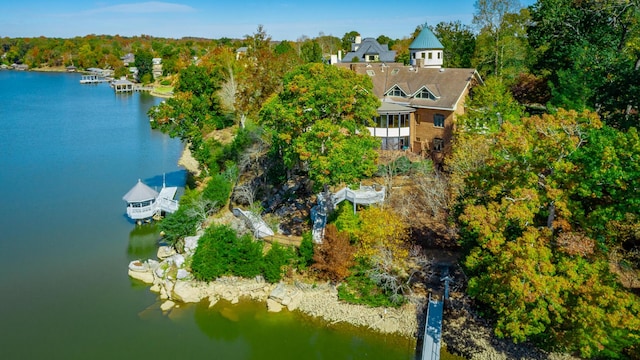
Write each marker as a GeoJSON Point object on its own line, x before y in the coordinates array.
{"type": "Point", "coordinates": [165, 200]}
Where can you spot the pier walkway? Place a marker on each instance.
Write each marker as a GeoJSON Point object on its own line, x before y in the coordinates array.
{"type": "Point", "coordinates": [166, 200]}
{"type": "Point", "coordinates": [433, 325]}
{"type": "Point", "coordinates": [432, 330]}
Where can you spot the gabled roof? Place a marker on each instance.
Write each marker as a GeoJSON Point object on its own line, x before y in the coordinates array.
{"type": "Point", "coordinates": [432, 88]}
{"type": "Point", "coordinates": [369, 46]}
{"type": "Point", "coordinates": [425, 40]}
{"type": "Point", "coordinates": [139, 193]}
{"type": "Point", "coordinates": [448, 85]}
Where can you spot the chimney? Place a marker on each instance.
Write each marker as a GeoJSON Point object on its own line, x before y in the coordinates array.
{"type": "Point", "coordinates": [358, 39]}
{"type": "Point", "coordinates": [339, 55]}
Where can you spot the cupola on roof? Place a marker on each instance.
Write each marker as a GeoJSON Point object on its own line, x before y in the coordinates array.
{"type": "Point", "coordinates": [426, 40]}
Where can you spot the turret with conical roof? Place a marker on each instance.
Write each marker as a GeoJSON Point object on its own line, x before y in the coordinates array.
{"type": "Point", "coordinates": [426, 50]}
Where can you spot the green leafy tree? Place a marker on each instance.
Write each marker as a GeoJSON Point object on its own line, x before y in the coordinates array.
{"type": "Point", "coordinates": [501, 47]}
{"type": "Point", "coordinates": [319, 119]}
{"type": "Point", "coordinates": [284, 47]}
{"type": "Point", "coordinates": [589, 52]}
{"type": "Point", "coordinates": [348, 39]}
{"type": "Point", "coordinates": [491, 105]}
{"type": "Point", "coordinates": [144, 63]}
{"type": "Point", "coordinates": [385, 40]}
{"type": "Point", "coordinates": [605, 181]}
{"type": "Point", "coordinates": [194, 111]}
{"type": "Point", "coordinates": [328, 44]}
{"type": "Point", "coordinates": [310, 52]}
{"type": "Point", "coordinates": [459, 43]}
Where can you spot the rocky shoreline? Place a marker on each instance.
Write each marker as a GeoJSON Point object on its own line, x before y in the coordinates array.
{"type": "Point", "coordinates": [463, 333]}
{"type": "Point", "coordinates": [175, 285]}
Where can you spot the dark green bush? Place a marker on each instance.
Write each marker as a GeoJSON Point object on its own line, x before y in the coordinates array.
{"type": "Point", "coordinates": [273, 262]}
{"type": "Point", "coordinates": [305, 251]}
{"type": "Point", "coordinates": [214, 254]}
{"type": "Point", "coordinates": [178, 225]}
{"type": "Point", "coordinates": [218, 190]}
{"type": "Point", "coordinates": [220, 252]}
{"type": "Point", "coordinates": [248, 257]}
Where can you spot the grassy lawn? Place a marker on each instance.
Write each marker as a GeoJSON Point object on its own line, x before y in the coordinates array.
{"type": "Point", "coordinates": [163, 89]}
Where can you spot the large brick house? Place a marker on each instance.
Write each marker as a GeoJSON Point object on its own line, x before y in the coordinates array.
{"type": "Point", "coordinates": [420, 102]}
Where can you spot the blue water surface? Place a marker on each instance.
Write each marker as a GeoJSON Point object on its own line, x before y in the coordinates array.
{"type": "Point", "coordinates": [68, 153]}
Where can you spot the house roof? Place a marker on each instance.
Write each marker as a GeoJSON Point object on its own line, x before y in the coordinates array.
{"type": "Point", "coordinates": [369, 46]}
{"type": "Point", "coordinates": [426, 40]}
{"type": "Point", "coordinates": [447, 85]}
{"type": "Point", "coordinates": [140, 192]}
{"type": "Point", "coordinates": [394, 108]}
{"type": "Point", "coordinates": [122, 82]}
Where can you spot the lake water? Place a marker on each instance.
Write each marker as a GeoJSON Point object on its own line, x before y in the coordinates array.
{"type": "Point", "coordinates": [68, 153]}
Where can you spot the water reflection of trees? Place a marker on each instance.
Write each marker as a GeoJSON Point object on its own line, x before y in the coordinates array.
{"type": "Point", "coordinates": [247, 331]}
{"type": "Point", "coordinates": [143, 241]}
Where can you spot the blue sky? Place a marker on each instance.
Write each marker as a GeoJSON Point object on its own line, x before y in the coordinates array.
{"type": "Point", "coordinates": [283, 20]}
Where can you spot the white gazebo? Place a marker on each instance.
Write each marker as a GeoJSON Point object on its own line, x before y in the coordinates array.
{"type": "Point", "coordinates": [141, 201]}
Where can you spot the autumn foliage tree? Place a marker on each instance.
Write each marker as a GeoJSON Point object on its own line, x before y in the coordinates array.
{"type": "Point", "coordinates": [532, 255]}
{"type": "Point", "coordinates": [333, 258]}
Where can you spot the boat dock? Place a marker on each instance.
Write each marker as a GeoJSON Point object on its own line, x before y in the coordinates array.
{"type": "Point", "coordinates": [92, 79]}
{"type": "Point", "coordinates": [145, 203]}
{"type": "Point", "coordinates": [432, 330]}
{"type": "Point", "coordinates": [432, 335]}
{"type": "Point", "coordinates": [125, 86]}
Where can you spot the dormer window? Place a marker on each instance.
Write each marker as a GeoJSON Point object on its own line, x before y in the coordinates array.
{"type": "Point", "coordinates": [425, 94]}
{"type": "Point", "coordinates": [396, 91]}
